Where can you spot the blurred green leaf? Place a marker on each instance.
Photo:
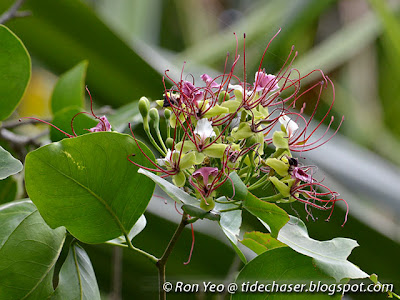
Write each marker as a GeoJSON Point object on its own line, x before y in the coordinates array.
{"type": "Point", "coordinates": [29, 250]}
{"type": "Point", "coordinates": [8, 164]}
{"type": "Point", "coordinates": [77, 279]}
{"type": "Point", "coordinates": [87, 184]}
{"type": "Point", "coordinates": [339, 47]}
{"type": "Point", "coordinates": [8, 190]}
{"type": "Point", "coordinates": [15, 66]}
{"type": "Point", "coordinates": [260, 22]}
{"type": "Point", "coordinates": [284, 266]}
{"type": "Point", "coordinates": [260, 242]}
{"type": "Point", "coordinates": [329, 256]}
{"type": "Point", "coordinates": [69, 89]}
{"type": "Point", "coordinates": [62, 119]}
{"type": "Point", "coordinates": [63, 33]}
{"type": "Point", "coordinates": [270, 213]}
{"type": "Point", "coordinates": [129, 113]}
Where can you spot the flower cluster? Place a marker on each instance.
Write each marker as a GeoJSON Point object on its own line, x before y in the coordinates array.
{"type": "Point", "coordinates": [226, 125]}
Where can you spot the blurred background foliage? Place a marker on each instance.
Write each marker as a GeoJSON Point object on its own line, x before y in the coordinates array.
{"type": "Point", "coordinates": [130, 43]}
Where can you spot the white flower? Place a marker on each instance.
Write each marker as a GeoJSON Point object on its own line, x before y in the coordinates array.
{"type": "Point", "coordinates": [290, 125]}
{"type": "Point", "coordinates": [204, 129]}
{"type": "Point", "coordinates": [168, 158]}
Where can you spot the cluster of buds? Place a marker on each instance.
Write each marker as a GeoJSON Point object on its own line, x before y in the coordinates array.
{"type": "Point", "coordinates": [226, 125]}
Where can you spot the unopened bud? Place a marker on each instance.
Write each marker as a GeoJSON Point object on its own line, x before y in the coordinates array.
{"type": "Point", "coordinates": [167, 114]}
{"type": "Point", "coordinates": [154, 116]}
{"type": "Point", "coordinates": [144, 107]}
{"type": "Point", "coordinates": [169, 143]}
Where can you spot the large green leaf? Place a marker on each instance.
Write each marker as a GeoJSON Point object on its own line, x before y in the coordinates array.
{"type": "Point", "coordinates": [8, 164]}
{"type": "Point", "coordinates": [329, 256]}
{"type": "Point", "coordinates": [270, 213]}
{"type": "Point", "coordinates": [285, 267]}
{"type": "Point", "coordinates": [15, 66]}
{"type": "Point", "coordinates": [260, 242]}
{"type": "Point", "coordinates": [87, 184]}
{"type": "Point", "coordinates": [62, 33]}
{"type": "Point", "coordinates": [69, 89]}
{"type": "Point", "coordinates": [63, 118]}
{"type": "Point", "coordinates": [77, 280]}
{"type": "Point", "coordinates": [29, 250]}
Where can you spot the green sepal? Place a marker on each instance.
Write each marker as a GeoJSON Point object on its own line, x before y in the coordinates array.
{"type": "Point", "coordinates": [232, 105]}
{"type": "Point", "coordinates": [215, 150]}
{"type": "Point", "coordinates": [278, 165]}
{"type": "Point", "coordinates": [242, 132]}
{"type": "Point", "coordinates": [179, 179]}
{"type": "Point", "coordinates": [280, 140]}
{"type": "Point", "coordinates": [187, 161]}
{"type": "Point", "coordinates": [283, 188]}
{"type": "Point", "coordinates": [215, 111]}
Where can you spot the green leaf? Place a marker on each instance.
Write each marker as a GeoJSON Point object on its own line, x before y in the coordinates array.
{"type": "Point", "coordinates": [286, 268]}
{"type": "Point", "coordinates": [8, 164]}
{"type": "Point", "coordinates": [62, 33]}
{"type": "Point", "coordinates": [69, 89]}
{"type": "Point", "coordinates": [260, 242]}
{"type": "Point", "coordinates": [87, 184]}
{"type": "Point", "coordinates": [270, 213]}
{"type": "Point", "coordinates": [173, 191]}
{"type": "Point", "coordinates": [77, 279]}
{"type": "Point", "coordinates": [238, 191]}
{"type": "Point", "coordinates": [15, 66]}
{"type": "Point", "coordinates": [136, 229]}
{"type": "Point", "coordinates": [62, 119]}
{"type": "Point", "coordinates": [29, 250]}
{"type": "Point", "coordinates": [230, 223]}
{"type": "Point", "coordinates": [330, 256]}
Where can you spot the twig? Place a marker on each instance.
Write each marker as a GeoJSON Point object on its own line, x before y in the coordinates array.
{"type": "Point", "coordinates": [163, 260]}
{"type": "Point", "coordinates": [13, 12]}
{"type": "Point", "coordinates": [19, 140]}
{"type": "Point", "coordinates": [16, 123]}
{"type": "Point", "coordinates": [117, 273]}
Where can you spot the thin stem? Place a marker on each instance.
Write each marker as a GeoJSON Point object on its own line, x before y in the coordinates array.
{"type": "Point", "coordinates": [117, 274]}
{"type": "Point", "coordinates": [152, 258]}
{"type": "Point", "coordinates": [161, 263]}
{"type": "Point", "coordinates": [13, 12]}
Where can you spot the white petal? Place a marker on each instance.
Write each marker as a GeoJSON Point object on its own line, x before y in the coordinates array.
{"type": "Point", "coordinates": [161, 161]}
{"type": "Point", "coordinates": [290, 125]}
{"type": "Point", "coordinates": [204, 129]}
{"type": "Point", "coordinates": [236, 87]}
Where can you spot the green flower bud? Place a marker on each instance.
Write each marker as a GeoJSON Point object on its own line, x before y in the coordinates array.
{"type": "Point", "coordinates": [154, 116]}
{"type": "Point", "coordinates": [169, 143]}
{"type": "Point", "coordinates": [167, 114]}
{"type": "Point", "coordinates": [144, 107]}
